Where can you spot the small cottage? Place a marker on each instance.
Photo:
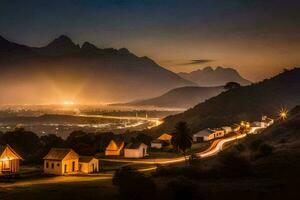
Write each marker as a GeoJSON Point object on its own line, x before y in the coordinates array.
{"type": "Point", "coordinates": [135, 150]}
{"type": "Point", "coordinates": [88, 164]}
{"type": "Point", "coordinates": [60, 161]}
{"type": "Point", "coordinates": [9, 160]}
{"type": "Point", "coordinates": [114, 148]}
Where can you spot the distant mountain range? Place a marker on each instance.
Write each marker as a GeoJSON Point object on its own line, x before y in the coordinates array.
{"type": "Point", "coordinates": [244, 103]}
{"type": "Point", "coordinates": [214, 77]}
{"type": "Point", "coordinates": [184, 97]}
{"type": "Point", "coordinates": [63, 70]}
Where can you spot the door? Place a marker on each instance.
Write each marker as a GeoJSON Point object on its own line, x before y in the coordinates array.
{"type": "Point", "coordinates": [65, 169]}
{"type": "Point", "coordinates": [73, 166]}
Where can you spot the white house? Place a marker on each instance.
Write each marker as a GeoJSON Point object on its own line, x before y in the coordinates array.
{"type": "Point", "coordinates": [135, 150]}
{"type": "Point", "coordinates": [88, 164]}
{"type": "Point", "coordinates": [267, 120]}
{"type": "Point", "coordinates": [60, 161]}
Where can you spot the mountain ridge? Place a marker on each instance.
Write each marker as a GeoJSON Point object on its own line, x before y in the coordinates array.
{"type": "Point", "coordinates": [214, 77]}
{"type": "Point", "coordinates": [245, 103]}
{"type": "Point", "coordinates": [83, 73]}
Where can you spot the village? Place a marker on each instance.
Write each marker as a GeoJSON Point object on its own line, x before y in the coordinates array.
{"type": "Point", "coordinates": [65, 161]}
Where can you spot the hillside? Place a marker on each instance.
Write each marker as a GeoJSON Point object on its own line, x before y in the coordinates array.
{"type": "Point", "coordinates": [184, 97]}
{"type": "Point", "coordinates": [244, 103]}
{"type": "Point", "coordinates": [214, 77]}
{"type": "Point", "coordinates": [63, 70]}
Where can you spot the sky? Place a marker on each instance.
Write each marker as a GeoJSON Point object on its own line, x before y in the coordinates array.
{"type": "Point", "coordinates": [257, 37]}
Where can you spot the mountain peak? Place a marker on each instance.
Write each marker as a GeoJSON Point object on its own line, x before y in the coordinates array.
{"type": "Point", "coordinates": [88, 46]}
{"type": "Point", "coordinates": [60, 46]}
{"type": "Point", "coordinates": [62, 40]}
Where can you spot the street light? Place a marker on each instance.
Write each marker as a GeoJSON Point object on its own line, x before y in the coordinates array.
{"type": "Point", "coordinates": [283, 114]}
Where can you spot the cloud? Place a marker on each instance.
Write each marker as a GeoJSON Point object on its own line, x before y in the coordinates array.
{"type": "Point", "coordinates": [197, 62]}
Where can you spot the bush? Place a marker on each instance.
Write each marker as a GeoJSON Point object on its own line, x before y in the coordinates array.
{"type": "Point", "coordinates": [134, 185]}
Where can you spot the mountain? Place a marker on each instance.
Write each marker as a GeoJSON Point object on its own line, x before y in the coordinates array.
{"type": "Point", "coordinates": [183, 97]}
{"type": "Point", "coordinates": [210, 77]}
{"type": "Point", "coordinates": [244, 103]}
{"type": "Point", "coordinates": [63, 70]}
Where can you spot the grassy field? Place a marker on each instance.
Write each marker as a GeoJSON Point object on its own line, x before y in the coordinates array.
{"type": "Point", "coordinates": [95, 189]}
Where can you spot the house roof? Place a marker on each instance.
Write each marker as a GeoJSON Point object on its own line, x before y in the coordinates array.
{"type": "Point", "coordinates": [134, 145]}
{"type": "Point", "coordinates": [4, 148]}
{"type": "Point", "coordinates": [165, 136]}
{"type": "Point", "coordinates": [115, 145]}
{"type": "Point", "coordinates": [86, 159]}
{"type": "Point", "coordinates": [58, 153]}
{"type": "Point", "coordinates": [204, 132]}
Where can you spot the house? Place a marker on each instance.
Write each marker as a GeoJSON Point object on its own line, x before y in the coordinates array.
{"type": "Point", "coordinates": [268, 121]}
{"type": "Point", "coordinates": [208, 134]}
{"type": "Point", "coordinates": [135, 150]}
{"type": "Point", "coordinates": [226, 129]}
{"type": "Point", "coordinates": [204, 135]}
{"type": "Point", "coordinates": [60, 161]}
{"type": "Point", "coordinates": [88, 164]}
{"type": "Point", "coordinates": [218, 132]}
{"type": "Point", "coordinates": [157, 144]}
{"type": "Point", "coordinates": [259, 124]}
{"type": "Point", "coordinates": [114, 148]}
{"type": "Point", "coordinates": [9, 160]}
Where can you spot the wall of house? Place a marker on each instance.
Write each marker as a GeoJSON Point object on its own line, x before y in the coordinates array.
{"type": "Point", "coordinates": [88, 167]}
{"type": "Point", "coordinates": [135, 153]}
{"type": "Point", "coordinates": [209, 137]}
{"type": "Point", "coordinates": [112, 152]}
{"type": "Point", "coordinates": [156, 145]}
{"type": "Point", "coordinates": [69, 164]}
{"type": "Point", "coordinates": [53, 167]}
{"type": "Point", "coordinates": [9, 166]}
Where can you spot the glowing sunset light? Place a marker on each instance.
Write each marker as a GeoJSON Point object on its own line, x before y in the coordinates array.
{"type": "Point", "coordinates": [68, 103]}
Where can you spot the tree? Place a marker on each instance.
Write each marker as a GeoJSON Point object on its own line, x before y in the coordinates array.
{"type": "Point", "coordinates": [182, 139]}
{"type": "Point", "coordinates": [134, 185]}
{"type": "Point", "coordinates": [231, 85]}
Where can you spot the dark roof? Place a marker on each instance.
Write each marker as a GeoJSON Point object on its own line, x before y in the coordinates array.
{"type": "Point", "coordinates": [86, 159]}
{"type": "Point", "coordinates": [57, 154]}
{"type": "Point", "coordinates": [134, 145]}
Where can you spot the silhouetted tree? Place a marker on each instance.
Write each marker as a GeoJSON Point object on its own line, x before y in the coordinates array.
{"type": "Point", "coordinates": [182, 139]}
{"type": "Point", "coordinates": [231, 85]}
